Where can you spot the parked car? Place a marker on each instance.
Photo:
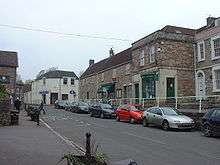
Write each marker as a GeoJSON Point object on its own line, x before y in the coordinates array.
{"type": "Point", "coordinates": [130, 112]}
{"type": "Point", "coordinates": [60, 104]}
{"type": "Point", "coordinates": [80, 107]}
{"type": "Point", "coordinates": [211, 123]}
{"type": "Point", "coordinates": [102, 110]}
{"type": "Point", "coordinates": [69, 106]}
{"type": "Point", "coordinates": [167, 118]}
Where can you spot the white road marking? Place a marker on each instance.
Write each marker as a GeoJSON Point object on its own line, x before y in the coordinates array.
{"type": "Point", "coordinates": [65, 139]}
{"type": "Point", "coordinates": [145, 138]}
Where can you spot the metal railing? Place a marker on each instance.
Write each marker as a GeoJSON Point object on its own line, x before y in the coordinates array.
{"type": "Point", "coordinates": [184, 103]}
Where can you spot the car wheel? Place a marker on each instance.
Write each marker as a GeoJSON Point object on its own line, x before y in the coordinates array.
{"type": "Point", "coordinates": [102, 116]}
{"type": "Point", "coordinates": [207, 131]}
{"type": "Point", "coordinates": [145, 123]}
{"type": "Point", "coordinates": [117, 118]}
{"type": "Point", "coordinates": [165, 125]}
{"type": "Point", "coordinates": [132, 121]}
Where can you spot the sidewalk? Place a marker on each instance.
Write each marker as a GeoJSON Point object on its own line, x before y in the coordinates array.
{"type": "Point", "coordinates": [29, 144]}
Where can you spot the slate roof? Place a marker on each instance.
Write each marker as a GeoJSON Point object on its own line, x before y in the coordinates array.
{"type": "Point", "coordinates": [8, 59]}
{"type": "Point", "coordinates": [207, 26]}
{"type": "Point", "coordinates": [57, 74]}
{"type": "Point", "coordinates": [178, 30]}
{"type": "Point", "coordinates": [117, 59]}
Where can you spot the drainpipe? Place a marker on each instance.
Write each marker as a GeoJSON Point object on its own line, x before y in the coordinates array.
{"type": "Point", "coordinates": [194, 54]}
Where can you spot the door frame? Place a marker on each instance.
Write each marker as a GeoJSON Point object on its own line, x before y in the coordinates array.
{"type": "Point", "coordinates": [175, 85]}
{"type": "Point", "coordinates": [197, 85]}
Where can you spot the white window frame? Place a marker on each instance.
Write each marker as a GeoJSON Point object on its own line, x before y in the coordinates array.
{"type": "Point", "coordinates": [214, 78]}
{"type": "Point", "coordinates": [141, 58]}
{"type": "Point", "coordinates": [152, 54]}
{"type": "Point", "coordinates": [66, 82]}
{"type": "Point", "coordinates": [103, 77]}
{"type": "Point", "coordinates": [199, 52]}
{"type": "Point", "coordinates": [212, 47]}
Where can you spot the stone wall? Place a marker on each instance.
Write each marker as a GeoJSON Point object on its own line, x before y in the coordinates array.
{"type": "Point", "coordinates": [5, 118]}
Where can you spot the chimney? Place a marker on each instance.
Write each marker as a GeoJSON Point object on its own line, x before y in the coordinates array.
{"type": "Point", "coordinates": [210, 20]}
{"type": "Point", "coordinates": [91, 62]}
{"type": "Point", "coordinates": [111, 52]}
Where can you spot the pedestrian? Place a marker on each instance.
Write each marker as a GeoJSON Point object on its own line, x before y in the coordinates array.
{"type": "Point", "coordinates": [17, 104]}
{"type": "Point", "coordinates": [37, 115]}
{"type": "Point", "coordinates": [41, 107]}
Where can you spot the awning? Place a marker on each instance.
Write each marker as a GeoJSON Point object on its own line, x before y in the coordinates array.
{"type": "Point", "coordinates": [150, 77]}
{"type": "Point", "coordinates": [106, 88]}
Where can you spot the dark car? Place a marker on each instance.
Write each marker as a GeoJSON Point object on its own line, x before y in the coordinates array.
{"type": "Point", "coordinates": [102, 110]}
{"type": "Point", "coordinates": [69, 106]}
{"type": "Point", "coordinates": [60, 104]}
{"type": "Point", "coordinates": [211, 123]}
{"type": "Point", "coordinates": [80, 107]}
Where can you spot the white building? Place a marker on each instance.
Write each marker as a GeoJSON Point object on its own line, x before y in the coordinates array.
{"type": "Point", "coordinates": [54, 85]}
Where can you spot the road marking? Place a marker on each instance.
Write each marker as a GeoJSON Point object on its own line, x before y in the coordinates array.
{"type": "Point", "coordinates": [145, 138]}
{"type": "Point", "coordinates": [65, 139]}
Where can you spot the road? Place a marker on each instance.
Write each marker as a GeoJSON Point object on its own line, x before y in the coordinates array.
{"type": "Point", "coordinates": [121, 140]}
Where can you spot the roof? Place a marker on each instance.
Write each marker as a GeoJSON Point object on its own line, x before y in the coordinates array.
{"type": "Point", "coordinates": [212, 24]}
{"type": "Point", "coordinates": [178, 30]}
{"type": "Point", "coordinates": [57, 74]}
{"type": "Point", "coordinates": [8, 59]}
{"type": "Point", "coordinates": [171, 29]}
{"type": "Point", "coordinates": [120, 58]}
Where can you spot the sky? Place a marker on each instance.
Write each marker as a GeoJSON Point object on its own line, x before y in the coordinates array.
{"type": "Point", "coordinates": [122, 19]}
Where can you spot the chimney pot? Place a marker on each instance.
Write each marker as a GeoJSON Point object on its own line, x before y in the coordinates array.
{"type": "Point", "coordinates": [91, 62]}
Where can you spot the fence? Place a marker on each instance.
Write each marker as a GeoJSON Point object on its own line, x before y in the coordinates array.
{"type": "Point", "coordinates": [184, 103]}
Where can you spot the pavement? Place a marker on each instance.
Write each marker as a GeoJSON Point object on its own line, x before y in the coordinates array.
{"type": "Point", "coordinates": [29, 144]}
{"type": "Point", "coordinates": [122, 141]}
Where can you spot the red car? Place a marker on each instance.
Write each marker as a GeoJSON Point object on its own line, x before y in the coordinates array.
{"type": "Point", "coordinates": [130, 112]}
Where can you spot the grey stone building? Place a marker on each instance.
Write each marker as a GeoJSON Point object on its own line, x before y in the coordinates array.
{"type": "Point", "coordinates": [109, 78]}
{"type": "Point", "coordinates": [207, 58]}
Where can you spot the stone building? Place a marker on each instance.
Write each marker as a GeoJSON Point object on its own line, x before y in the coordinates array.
{"type": "Point", "coordinates": [8, 69]}
{"type": "Point", "coordinates": [207, 58]}
{"type": "Point", "coordinates": [163, 64]}
{"type": "Point", "coordinates": [109, 78]}
{"type": "Point", "coordinates": [53, 85]}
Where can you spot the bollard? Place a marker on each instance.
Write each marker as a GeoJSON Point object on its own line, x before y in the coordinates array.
{"type": "Point", "coordinates": [88, 147]}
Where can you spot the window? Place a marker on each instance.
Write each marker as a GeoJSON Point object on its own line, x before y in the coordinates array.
{"type": "Point", "coordinates": [216, 78]}
{"type": "Point", "coordinates": [149, 88]}
{"type": "Point", "coordinates": [65, 80]}
{"type": "Point", "coordinates": [119, 93]}
{"type": "Point", "coordinates": [142, 58]}
{"type": "Point", "coordinates": [215, 44]}
{"type": "Point", "coordinates": [201, 51]}
{"type": "Point", "coordinates": [72, 81]}
{"type": "Point", "coordinates": [128, 66]}
{"type": "Point", "coordinates": [152, 54]}
{"type": "Point", "coordinates": [114, 73]}
{"type": "Point", "coordinates": [128, 91]}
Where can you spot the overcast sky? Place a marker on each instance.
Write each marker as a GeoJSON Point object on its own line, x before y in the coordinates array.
{"type": "Point", "coordinates": [125, 19]}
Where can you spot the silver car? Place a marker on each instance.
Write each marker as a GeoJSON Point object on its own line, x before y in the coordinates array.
{"type": "Point", "coordinates": [167, 117]}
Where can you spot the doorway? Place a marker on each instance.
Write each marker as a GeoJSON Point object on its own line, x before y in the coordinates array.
{"type": "Point", "coordinates": [53, 97]}
{"type": "Point", "coordinates": [170, 88]}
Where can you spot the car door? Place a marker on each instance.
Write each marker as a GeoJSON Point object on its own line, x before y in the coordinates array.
{"type": "Point", "coordinates": [127, 114]}
{"type": "Point", "coordinates": [215, 120]}
{"type": "Point", "coordinates": [150, 115]}
{"type": "Point", "coordinates": [158, 116]}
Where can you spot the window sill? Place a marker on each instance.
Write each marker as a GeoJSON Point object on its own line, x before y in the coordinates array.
{"type": "Point", "coordinates": [201, 60]}
{"type": "Point", "coordinates": [216, 90]}
{"type": "Point", "coordinates": [215, 58]}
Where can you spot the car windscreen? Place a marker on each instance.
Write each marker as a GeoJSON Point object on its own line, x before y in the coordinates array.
{"type": "Point", "coordinates": [83, 104]}
{"type": "Point", "coordinates": [170, 111]}
{"type": "Point", "coordinates": [106, 106]}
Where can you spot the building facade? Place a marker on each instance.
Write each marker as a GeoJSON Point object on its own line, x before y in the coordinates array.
{"type": "Point", "coordinates": [108, 79]}
{"type": "Point", "coordinates": [207, 58]}
{"type": "Point", "coordinates": [163, 64]}
{"type": "Point", "coordinates": [52, 86]}
{"type": "Point", "coordinates": [8, 69]}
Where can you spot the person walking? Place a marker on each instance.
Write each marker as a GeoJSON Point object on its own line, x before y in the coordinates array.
{"type": "Point", "coordinates": [17, 104]}
{"type": "Point", "coordinates": [41, 107]}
